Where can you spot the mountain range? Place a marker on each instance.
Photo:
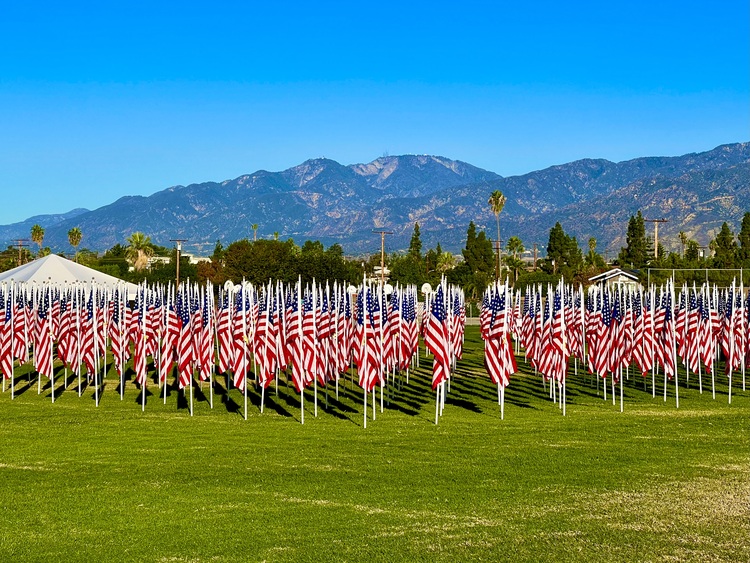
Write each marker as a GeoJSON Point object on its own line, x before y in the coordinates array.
{"type": "Point", "coordinates": [323, 200]}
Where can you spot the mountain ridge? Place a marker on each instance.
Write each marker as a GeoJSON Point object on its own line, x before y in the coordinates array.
{"type": "Point", "coordinates": [335, 203]}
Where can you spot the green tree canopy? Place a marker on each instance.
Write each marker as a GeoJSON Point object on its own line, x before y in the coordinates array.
{"type": "Point", "coordinates": [635, 253]}
{"type": "Point", "coordinates": [563, 253]}
{"type": "Point", "coordinates": [725, 248]}
{"type": "Point", "coordinates": [415, 244]}
{"type": "Point", "coordinates": [139, 250]}
{"type": "Point", "coordinates": [74, 238]}
{"type": "Point", "coordinates": [37, 235]}
{"type": "Point", "coordinates": [743, 251]}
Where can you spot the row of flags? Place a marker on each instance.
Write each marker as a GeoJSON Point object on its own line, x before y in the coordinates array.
{"type": "Point", "coordinates": [313, 331]}
{"type": "Point", "coordinates": [609, 329]}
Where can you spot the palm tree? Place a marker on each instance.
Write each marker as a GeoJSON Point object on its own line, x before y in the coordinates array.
{"type": "Point", "coordinates": [496, 203]}
{"type": "Point", "coordinates": [276, 235]}
{"type": "Point", "coordinates": [254, 226]}
{"type": "Point", "coordinates": [139, 250]}
{"type": "Point", "coordinates": [515, 246]}
{"type": "Point", "coordinates": [74, 238]}
{"type": "Point", "coordinates": [683, 241]}
{"type": "Point", "coordinates": [37, 235]}
{"type": "Point", "coordinates": [446, 261]}
{"type": "Point", "coordinates": [592, 248]}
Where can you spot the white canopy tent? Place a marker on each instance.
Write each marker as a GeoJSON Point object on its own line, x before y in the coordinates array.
{"type": "Point", "coordinates": [60, 271]}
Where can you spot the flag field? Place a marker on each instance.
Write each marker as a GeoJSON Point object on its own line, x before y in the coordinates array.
{"type": "Point", "coordinates": [653, 483]}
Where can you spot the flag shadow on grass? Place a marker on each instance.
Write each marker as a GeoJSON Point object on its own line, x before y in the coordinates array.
{"type": "Point", "coordinates": [98, 390]}
{"type": "Point", "coordinates": [21, 390]}
{"type": "Point", "coordinates": [223, 393]}
{"type": "Point", "coordinates": [271, 403]}
{"type": "Point", "coordinates": [484, 389]}
{"type": "Point", "coordinates": [183, 396]}
{"type": "Point", "coordinates": [336, 408]}
{"type": "Point", "coordinates": [139, 398]}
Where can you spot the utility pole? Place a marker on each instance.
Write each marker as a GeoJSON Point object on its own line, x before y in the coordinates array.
{"type": "Point", "coordinates": [21, 242]}
{"type": "Point", "coordinates": [656, 234]}
{"type": "Point", "coordinates": [179, 242]}
{"type": "Point", "coordinates": [382, 254]}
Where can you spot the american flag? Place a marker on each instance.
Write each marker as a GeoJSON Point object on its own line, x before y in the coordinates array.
{"type": "Point", "coordinates": [498, 353]}
{"type": "Point", "coordinates": [206, 334]}
{"type": "Point", "coordinates": [184, 341]}
{"type": "Point", "coordinates": [43, 349]}
{"type": "Point", "coordinates": [116, 333]}
{"type": "Point", "coordinates": [437, 338]}
{"type": "Point", "coordinates": [88, 336]}
{"type": "Point", "coordinates": [140, 363]}
{"type": "Point", "coordinates": [6, 334]}
{"type": "Point", "coordinates": [665, 344]}
{"type": "Point", "coordinates": [224, 334]}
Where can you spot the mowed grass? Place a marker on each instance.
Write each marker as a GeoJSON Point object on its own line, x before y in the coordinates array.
{"type": "Point", "coordinates": [654, 483]}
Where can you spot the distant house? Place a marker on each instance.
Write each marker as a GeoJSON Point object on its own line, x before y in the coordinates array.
{"type": "Point", "coordinates": [153, 260]}
{"type": "Point", "coordinates": [616, 278]}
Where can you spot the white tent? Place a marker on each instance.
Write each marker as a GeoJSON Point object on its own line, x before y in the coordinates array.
{"type": "Point", "coordinates": [58, 270]}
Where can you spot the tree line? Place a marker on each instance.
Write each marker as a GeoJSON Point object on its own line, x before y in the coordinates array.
{"type": "Point", "coordinates": [726, 251]}
{"type": "Point", "coordinates": [480, 261]}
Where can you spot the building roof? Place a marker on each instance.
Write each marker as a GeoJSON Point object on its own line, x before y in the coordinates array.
{"type": "Point", "coordinates": [613, 273]}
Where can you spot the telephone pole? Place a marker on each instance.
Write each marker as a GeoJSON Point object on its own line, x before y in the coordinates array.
{"type": "Point", "coordinates": [179, 242]}
{"type": "Point", "coordinates": [382, 254]}
{"type": "Point", "coordinates": [21, 242]}
{"type": "Point", "coordinates": [656, 234]}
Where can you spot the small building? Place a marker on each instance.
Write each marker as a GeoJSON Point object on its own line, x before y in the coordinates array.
{"type": "Point", "coordinates": [616, 278]}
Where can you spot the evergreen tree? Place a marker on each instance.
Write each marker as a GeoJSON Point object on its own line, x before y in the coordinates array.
{"type": "Point", "coordinates": [556, 247]}
{"type": "Point", "coordinates": [471, 239]}
{"type": "Point", "coordinates": [564, 256]}
{"type": "Point", "coordinates": [743, 252]}
{"type": "Point", "coordinates": [478, 254]}
{"type": "Point", "coordinates": [415, 245]}
{"type": "Point", "coordinates": [635, 254]}
{"type": "Point", "coordinates": [725, 248]}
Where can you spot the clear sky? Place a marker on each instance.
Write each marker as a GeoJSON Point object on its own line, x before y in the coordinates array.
{"type": "Point", "coordinates": [104, 99]}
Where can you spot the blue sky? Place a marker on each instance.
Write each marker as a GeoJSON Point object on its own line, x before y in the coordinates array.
{"type": "Point", "coordinates": [104, 99]}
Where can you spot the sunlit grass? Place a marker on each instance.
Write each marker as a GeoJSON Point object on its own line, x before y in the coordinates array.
{"type": "Point", "coordinates": [654, 483]}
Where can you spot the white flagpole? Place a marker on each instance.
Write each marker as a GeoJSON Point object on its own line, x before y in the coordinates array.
{"type": "Point", "coordinates": [315, 347]}
{"type": "Point", "coordinates": [96, 346]}
{"type": "Point", "coordinates": [12, 337]}
{"type": "Point", "coordinates": [122, 336]}
{"type": "Point", "coordinates": [49, 330]}
{"type": "Point", "coordinates": [437, 403]}
{"type": "Point", "coordinates": [192, 370]}
{"type": "Point", "coordinates": [300, 317]}
{"type": "Point", "coordinates": [167, 301]}
{"type": "Point", "coordinates": [244, 341]}
{"type": "Point", "coordinates": [143, 320]}
{"type": "Point", "coordinates": [674, 353]}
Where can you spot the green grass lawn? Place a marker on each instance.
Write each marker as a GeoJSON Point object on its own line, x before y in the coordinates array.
{"type": "Point", "coordinates": [654, 483]}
